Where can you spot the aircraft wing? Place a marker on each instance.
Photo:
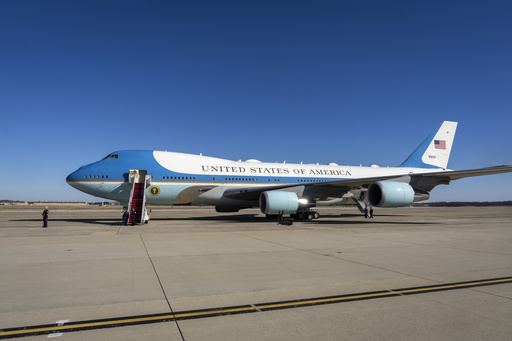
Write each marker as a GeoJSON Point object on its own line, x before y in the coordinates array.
{"type": "Point", "coordinates": [428, 181]}
{"type": "Point", "coordinates": [421, 182]}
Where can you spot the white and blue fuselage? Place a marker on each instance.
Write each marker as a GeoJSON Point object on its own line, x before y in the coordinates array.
{"type": "Point", "coordinates": [173, 174]}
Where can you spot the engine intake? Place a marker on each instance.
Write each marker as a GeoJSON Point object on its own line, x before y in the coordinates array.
{"type": "Point", "coordinates": [390, 194]}
{"type": "Point", "coordinates": [274, 202]}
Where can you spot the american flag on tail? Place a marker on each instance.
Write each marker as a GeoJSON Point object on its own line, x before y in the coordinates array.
{"type": "Point", "coordinates": [440, 144]}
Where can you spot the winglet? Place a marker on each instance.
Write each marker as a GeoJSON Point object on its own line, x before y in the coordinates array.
{"type": "Point", "coordinates": [434, 152]}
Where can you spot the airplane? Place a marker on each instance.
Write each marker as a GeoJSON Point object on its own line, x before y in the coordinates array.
{"type": "Point", "coordinates": [139, 177]}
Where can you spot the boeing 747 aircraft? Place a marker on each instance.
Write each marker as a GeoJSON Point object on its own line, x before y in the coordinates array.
{"type": "Point", "coordinates": [138, 177]}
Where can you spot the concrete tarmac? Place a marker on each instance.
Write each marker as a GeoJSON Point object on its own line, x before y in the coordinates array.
{"type": "Point", "coordinates": [86, 266]}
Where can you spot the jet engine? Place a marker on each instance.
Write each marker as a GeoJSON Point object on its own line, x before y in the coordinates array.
{"type": "Point", "coordinates": [274, 202]}
{"type": "Point", "coordinates": [390, 194]}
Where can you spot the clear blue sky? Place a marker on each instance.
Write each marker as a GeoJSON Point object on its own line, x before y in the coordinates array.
{"type": "Point", "coordinates": [351, 82]}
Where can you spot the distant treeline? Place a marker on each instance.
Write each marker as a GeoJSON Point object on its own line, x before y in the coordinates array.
{"type": "Point", "coordinates": [464, 203]}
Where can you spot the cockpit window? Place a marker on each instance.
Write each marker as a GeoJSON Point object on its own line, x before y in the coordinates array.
{"type": "Point", "coordinates": [111, 156]}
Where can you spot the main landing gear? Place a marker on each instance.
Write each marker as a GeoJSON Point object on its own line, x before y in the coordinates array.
{"type": "Point", "coordinates": [306, 214]}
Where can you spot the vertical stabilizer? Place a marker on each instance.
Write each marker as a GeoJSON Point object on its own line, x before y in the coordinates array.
{"type": "Point", "coordinates": [434, 152]}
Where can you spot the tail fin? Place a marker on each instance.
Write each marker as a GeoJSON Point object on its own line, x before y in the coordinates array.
{"type": "Point", "coordinates": [434, 152]}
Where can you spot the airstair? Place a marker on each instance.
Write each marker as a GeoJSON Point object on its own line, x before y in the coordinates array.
{"type": "Point", "coordinates": [140, 180]}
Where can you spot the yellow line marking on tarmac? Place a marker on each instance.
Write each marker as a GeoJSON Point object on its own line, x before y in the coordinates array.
{"type": "Point", "coordinates": [87, 325]}
{"type": "Point", "coordinates": [205, 313]}
{"type": "Point", "coordinates": [340, 299]}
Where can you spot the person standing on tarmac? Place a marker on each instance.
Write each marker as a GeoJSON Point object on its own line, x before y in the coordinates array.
{"type": "Point", "coordinates": [133, 217]}
{"type": "Point", "coordinates": [126, 215]}
{"type": "Point", "coordinates": [45, 217]}
{"type": "Point", "coordinates": [366, 211]}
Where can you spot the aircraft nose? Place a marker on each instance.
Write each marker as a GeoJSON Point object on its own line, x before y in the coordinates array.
{"type": "Point", "coordinates": [77, 175]}
{"type": "Point", "coordinates": [72, 177]}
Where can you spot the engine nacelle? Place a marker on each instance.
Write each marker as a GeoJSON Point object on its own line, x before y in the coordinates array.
{"type": "Point", "coordinates": [274, 202]}
{"type": "Point", "coordinates": [390, 194]}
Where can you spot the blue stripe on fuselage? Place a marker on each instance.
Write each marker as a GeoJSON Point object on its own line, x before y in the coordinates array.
{"type": "Point", "coordinates": [117, 169]}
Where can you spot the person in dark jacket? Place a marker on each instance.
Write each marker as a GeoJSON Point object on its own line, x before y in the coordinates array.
{"type": "Point", "coordinates": [126, 215]}
{"type": "Point", "coordinates": [133, 217]}
{"type": "Point", "coordinates": [45, 217]}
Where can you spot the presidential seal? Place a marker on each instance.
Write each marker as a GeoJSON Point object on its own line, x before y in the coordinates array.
{"type": "Point", "coordinates": [154, 190]}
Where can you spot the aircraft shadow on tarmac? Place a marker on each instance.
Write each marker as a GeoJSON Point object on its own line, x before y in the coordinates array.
{"type": "Point", "coordinates": [96, 221]}
{"type": "Point", "coordinates": [345, 219]}
{"type": "Point", "coordinates": [356, 219]}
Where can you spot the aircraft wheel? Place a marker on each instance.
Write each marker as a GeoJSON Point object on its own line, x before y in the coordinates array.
{"type": "Point", "coordinates": [310, 216]}
{"type": "Point", "coordinates": [316, 215]}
